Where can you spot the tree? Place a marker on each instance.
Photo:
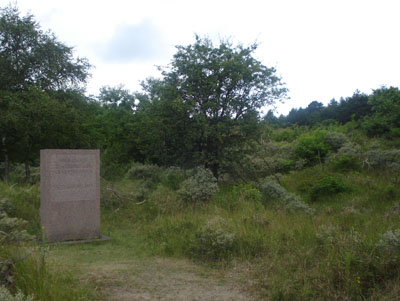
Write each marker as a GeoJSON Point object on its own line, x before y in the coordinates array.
{"type": "Point", "coordinates": [31, 57]}
{"type": "Point", "coordinates": [208, 101]}
{"type": "Point", "coordinates": [385, 103]}
{"type": "Point", "coordinates": [32, 63]}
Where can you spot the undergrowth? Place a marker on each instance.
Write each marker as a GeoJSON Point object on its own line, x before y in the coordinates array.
{"type": "Point", "coordinates": [326, 229]}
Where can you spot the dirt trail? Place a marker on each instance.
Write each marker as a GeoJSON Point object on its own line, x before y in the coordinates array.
{"type": "Point", "coordinates": [167, 279]}
{"type": "Point", "coordinates": [161, 279]}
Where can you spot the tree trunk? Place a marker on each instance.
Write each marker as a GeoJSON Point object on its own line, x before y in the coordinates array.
{"type": "Point", "coordinates": [6, 168]}
{"type": "Point", "coordinates": [6, 161]}
{"type": "Point", "coordinates": [27, 171]}
{"type": "Point", "coordinates": [215, 169]}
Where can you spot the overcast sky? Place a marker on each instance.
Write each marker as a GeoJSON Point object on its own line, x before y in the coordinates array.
{"type": "Point", "coordinates": [322, 49]}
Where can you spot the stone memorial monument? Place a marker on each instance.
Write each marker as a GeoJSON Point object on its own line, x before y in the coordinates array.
{"type": "Point", "coordinates": [70, 194]}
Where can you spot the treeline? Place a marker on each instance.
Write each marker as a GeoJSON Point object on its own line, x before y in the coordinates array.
{"type": "Point", "coordinates": [377, 113]}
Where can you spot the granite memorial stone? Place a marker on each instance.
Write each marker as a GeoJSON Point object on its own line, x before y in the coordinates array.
{"type": "Point", "coordinates": [70, 194]}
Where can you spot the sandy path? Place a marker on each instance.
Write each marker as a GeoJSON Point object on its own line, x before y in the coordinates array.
{"type": "Point", "coordinates": [164, 279]}
{"type": "Point", "coordinates": [158, 279]}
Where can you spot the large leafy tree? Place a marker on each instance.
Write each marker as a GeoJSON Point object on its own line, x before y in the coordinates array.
{"type": "Point", "coordinates": [207, 104]}
{"type": "Point", "coordinates": [34, 65]}
{"type": "Point", "coordinates": [30, 56]}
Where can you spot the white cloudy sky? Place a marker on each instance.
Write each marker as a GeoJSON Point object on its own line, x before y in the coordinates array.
{"type": "Point", "coordinates": [322, 49]}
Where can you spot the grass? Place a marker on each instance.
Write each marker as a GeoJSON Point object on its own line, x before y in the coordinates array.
{"type": "Point", "coordinates": [332, 254]}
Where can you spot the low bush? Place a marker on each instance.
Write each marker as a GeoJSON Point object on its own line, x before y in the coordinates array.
{"type": "Point", "coordinates": [247, 192]}
{"type": "Point", "coordinates": [148, 172]}
{"type": "Point", "coordinates": [17, 173]}
{"type": "Point", "coordinates": [346, 158]}
{"type": "Point", "coordinates": [214, 240]}
{"type": "Point", "coordinates": [350, 150]}
{"type": "Point", "coordinates": [383, 159]}
{"type": "Point", "coordinates": [345, 163]}
{"type": "Point", "coordinates": [312, 148]}
{"type": "Point", "coordinates": [336, 140]}
{"type": "Point", "coordinates": [273, 191]}
{"type": "Point", "coordinates": [12, 229]}
{"type": "Point", "coordinates": [23, 202]}
{"type": "Point", "coordinates": [5, 295]}
{"type": "Point", "coordinates": [390, 241]}
{"type": "Point", "coordinates": [199, 187]}
{"type": "Point", "coordinates": [328, 185]}
{"type": "Point", "coordinates": [112, 171]}
{"type": "Point", "coordinates": [173, 177]}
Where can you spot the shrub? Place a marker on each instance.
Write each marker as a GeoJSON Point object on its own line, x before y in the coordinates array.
{"type": "Point", "coordinates": [296, 204]}
{"type": "Point", "coordinates": [17, 174]}
{"type": "Point", "coordinates": [390, 240]}
{"type": "Point", "coordinates": [349, 149]}
{"type": "Point", "coordinates": [328, 185]}
{"type": "Point", "coordinates": [247, 192]}
{"type": "Point", "coordinates": [173, 177]}
{"type": "Point", "coordinates": [312, 148]}
{"type": "Point", "coordinates": [383, 159]}
{"type": "Point", "coordinates": [147, 172]}
{"type": "Point", "coordinates": [5, 295]}
{"type": "Point", "coordinates": [272, 190]}
{"type": "Point", "coordinates": [214, 241]}
{"type": "Point", "coordinates": [267, 158]}
{"type": "Point", "coordinates": [346, 158]}
{"type": "Point", "coordinates": [336, 140]}
{"type": "Point", "coordinates": [326, 234]}
{"type": "Point", "coordinates": [113, 170]}
{"type": "Point", "coordinates": [199, 187]}
{"type": "Point", "coordinates": [12, 229]}
{"type": "Point", "coordinates": [299, 164]}
{"type": "Point", "coordinates": [345, 163]}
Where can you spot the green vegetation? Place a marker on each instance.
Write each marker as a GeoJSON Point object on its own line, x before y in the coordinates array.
{"type": "Point", "coordinates": [308, 202]}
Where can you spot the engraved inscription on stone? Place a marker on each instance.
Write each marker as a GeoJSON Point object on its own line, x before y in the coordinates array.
{"type": "Point", "coordinates": [72, 177]}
